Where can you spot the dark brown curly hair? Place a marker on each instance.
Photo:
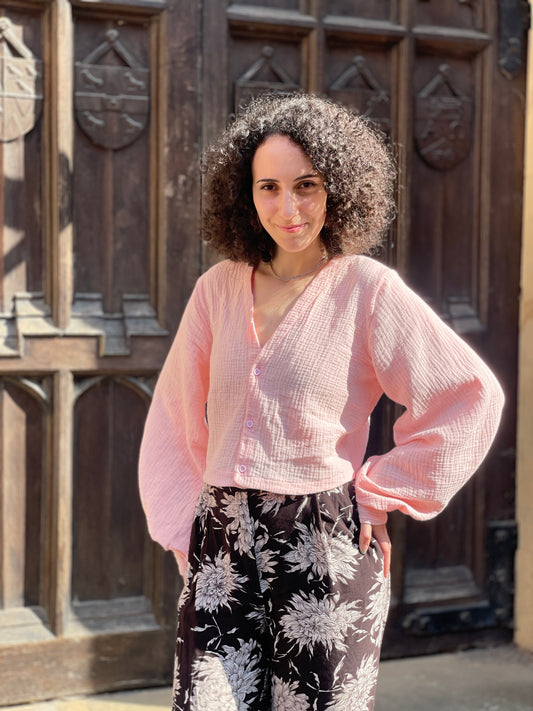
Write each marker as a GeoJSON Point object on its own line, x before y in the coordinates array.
{"type": "Point", "coordinates": [350, 155]}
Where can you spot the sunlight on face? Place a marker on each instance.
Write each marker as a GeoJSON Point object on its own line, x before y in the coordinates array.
{"type": "Point", "coordinates": [288, 194]}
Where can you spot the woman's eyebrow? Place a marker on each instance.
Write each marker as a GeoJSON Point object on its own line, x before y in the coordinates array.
{"type": "Point", "coordinates": [275, 180]}
{"type": "Point", "coordinates": [307, 175]}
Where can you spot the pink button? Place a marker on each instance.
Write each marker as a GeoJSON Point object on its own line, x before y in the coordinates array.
{"type": "Point", "coordinates": [249, 424]}
{"type": "Point", "coordinates": [257, 371]}
{"type": "Point", "coordinates": [242, 469]}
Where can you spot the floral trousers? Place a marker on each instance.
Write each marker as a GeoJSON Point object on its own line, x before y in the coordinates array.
{"type": "Point", "coordinates": [280, 611]}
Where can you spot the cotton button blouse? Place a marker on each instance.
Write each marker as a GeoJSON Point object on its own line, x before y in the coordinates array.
{"type": "Point", "coordinates": [355, 332]}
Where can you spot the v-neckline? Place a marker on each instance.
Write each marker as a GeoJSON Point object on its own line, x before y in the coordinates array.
{"type": "Point", "coordinates": [291, 314]}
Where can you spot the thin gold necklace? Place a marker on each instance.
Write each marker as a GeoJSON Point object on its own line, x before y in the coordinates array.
{"type": "Point", "coordinates": [297, 276]}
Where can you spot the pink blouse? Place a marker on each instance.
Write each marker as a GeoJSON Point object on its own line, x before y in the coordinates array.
{"type": "Point", "coordinates": [293, 416]}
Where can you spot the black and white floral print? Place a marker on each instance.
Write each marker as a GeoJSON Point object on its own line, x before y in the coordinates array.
{"type": "Point", "coordinates": [217, 583]}
{"type": "Point", "coordinates": [321, 554]}
{"type": "Point", "coordinates": [310, 622]}
{"type": "Point", "coordinates": [280, 610]}
{"type": "Point", "coordinates": [225, 681]}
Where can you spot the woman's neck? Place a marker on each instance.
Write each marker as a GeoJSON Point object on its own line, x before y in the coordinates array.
{"type": "Point", "coordinates": [291, 264]}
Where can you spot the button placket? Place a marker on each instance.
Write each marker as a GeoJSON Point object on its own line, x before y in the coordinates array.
{"type": "Point", "coordinates": [249, 423]}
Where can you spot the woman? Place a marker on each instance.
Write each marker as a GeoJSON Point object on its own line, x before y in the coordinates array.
{"type": "Point", "coordinates": [252, 458]}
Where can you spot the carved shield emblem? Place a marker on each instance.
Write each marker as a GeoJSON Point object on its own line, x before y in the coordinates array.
{"type": "Point", "coordinates": [443, 122]}
{"type": "Point", "coordinates": [21, 86]}
{"type": "Point", "coordinates": [111, 101]}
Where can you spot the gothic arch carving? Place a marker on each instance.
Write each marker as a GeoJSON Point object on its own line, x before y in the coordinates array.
{"type": "Point", "coordinates": [264, 75]}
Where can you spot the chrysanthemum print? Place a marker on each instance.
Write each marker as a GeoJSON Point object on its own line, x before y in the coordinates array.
{"type": "Point", "coordinates": [357, 692]}
{"type": "Point", "coordinates": [281, 611]}
{"type": "Point", "coordinates": [206, 502]}
{"type": "Point", "coordinates": [265, 561]}
{"type": "Point", "coordinates": [379, 605]}
{"type": "Point", "coordinates": [216, 583]}
{"type": "Point", "coordinates": [285, 696]}
{"type": "Point", "coordinates": [271, 503]}
{"type": "Point", "coordinates": [310, 622]}
{"type": "Point", "coordinates": [322, 554]}
{"type": "Point", "coordinates": [221, 681]}
{"type": "Point", "coordinates": [235, 508]}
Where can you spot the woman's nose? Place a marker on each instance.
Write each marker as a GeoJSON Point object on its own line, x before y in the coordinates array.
{"type": "Point", "coordinates": [288, 206]}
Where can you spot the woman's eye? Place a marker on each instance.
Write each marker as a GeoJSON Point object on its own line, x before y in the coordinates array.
{"type": "Point", "coordinates": [268, 187]}
{"type": "Point", "coordinates": [307, 184]}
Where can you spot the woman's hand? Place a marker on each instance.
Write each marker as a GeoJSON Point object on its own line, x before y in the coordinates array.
{"type": "Point", "coordinates": [379, 532]}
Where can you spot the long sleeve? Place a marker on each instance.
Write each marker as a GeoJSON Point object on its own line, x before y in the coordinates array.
{"type": "Point", "coordinates": [174, 445]}
{"type": "Point", "coordinates": [453, 405]}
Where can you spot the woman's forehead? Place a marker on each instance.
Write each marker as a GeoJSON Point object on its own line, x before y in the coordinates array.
{"type": "Point", "coordinates": [282, 154]}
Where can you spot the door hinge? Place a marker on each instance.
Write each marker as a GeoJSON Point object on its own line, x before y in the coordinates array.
{"type": "Point", "coordinates": [514, 21]}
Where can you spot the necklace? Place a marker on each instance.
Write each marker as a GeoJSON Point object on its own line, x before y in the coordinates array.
{"type": "Point", "coordinates": [297, 276]}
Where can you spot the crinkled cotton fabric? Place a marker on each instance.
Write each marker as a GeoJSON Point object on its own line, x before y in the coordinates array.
{"type": "Point", "coordinates": [280, 611]}
{"type": "Point", "coordinates": [292, 416]}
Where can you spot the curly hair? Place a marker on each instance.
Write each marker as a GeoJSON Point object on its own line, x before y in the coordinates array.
{"type": "Point", "coordinates": [350, 155]}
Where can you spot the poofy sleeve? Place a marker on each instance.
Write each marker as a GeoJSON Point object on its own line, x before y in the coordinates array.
{"type": "Point", "coordinates": [452, 401]}
{"type": "Point", "coordinates": [174, 445]}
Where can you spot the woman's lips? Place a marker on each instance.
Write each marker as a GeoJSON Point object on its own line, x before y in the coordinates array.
{"type": "Point", "coordinates": [291, 228]}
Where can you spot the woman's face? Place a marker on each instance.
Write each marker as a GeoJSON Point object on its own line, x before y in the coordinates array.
{"type": "Point", "coordinates": [288, 194]}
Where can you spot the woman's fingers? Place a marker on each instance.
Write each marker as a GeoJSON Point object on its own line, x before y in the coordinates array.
{"type": "Point", "coordinates": [365, 534]}
{"type": "Point", "coordinates": [380, 534]}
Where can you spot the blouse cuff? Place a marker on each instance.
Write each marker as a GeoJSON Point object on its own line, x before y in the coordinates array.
{"type": "Point", "coordinates": [372, 516]}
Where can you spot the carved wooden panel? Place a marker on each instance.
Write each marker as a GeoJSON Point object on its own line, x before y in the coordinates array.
{"type": "Point", "coordinates": [362, 82]}
{"type": "Point", "coordinates": [115, 243]}
{"type": "Point", "coordinates": [105, 489]}
{"type": "Point", "coordinates": [445, 238]}
{"type": "Point", "coordinates": [443, 542]}
{"type": "Point", "coordinates": [267, 73]}
{"type": "Point", "coordinates": [24, 234]}
{"type": "Point", "coordinates": [25, 407]}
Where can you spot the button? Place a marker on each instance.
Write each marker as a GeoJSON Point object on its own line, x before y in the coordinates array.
{"type": "Point", "coordinates": [242, 469]}
{"type": "Point", "coordinates": [257, 371]}
{"type": "Point", "coordinates": [249, 424]}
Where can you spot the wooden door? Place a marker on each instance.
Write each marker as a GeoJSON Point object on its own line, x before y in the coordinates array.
{"type": "Point", "coordinates": [446, 80]}
{"type": "Point", "coordinates": [99, 141]}
{"type": "Point", "coordinates": [101, 126]}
